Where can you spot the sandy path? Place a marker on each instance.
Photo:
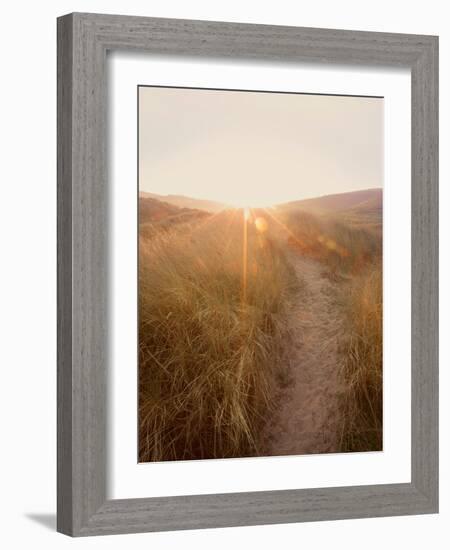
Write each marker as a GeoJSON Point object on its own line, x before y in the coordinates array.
{"type": "Point", "coordinates": [307, 418]}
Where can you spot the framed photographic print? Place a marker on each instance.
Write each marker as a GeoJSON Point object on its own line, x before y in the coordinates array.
{"type": "Point", "coordinates": [247, 274]}
{"type": "Point", "coordinates": [248, 292]}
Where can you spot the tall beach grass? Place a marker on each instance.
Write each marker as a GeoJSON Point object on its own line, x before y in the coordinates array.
{"type": "Point", "coordinates": [343, 247]}
{"type": "Point", "coordinates": [211, 334]}
{"type": "Point", "coordinates": [362, 369]}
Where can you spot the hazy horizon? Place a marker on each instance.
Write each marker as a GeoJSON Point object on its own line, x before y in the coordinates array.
{"type": "Point", "coordinates": [185, 196]}
{"type": "Point", "coordinates": [257, 148]}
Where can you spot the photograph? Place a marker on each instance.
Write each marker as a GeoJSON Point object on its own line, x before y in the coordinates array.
{"type": "Point", "coordinates": [260, 273]}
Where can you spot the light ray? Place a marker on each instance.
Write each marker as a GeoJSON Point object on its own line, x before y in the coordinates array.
{"type": "Point", "coordinates": [206, 222]}
{"type": "Point", "coordinates": [284, 227]}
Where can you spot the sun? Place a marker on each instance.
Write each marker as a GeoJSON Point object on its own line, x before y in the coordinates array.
{"type": "Point", "coordinates": [249, 203]}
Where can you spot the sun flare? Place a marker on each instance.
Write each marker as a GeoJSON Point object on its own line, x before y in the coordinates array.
{"type": "Point", "coordinates": [261, 224]}
{"type": "Point", "coordinates": [246, 202]}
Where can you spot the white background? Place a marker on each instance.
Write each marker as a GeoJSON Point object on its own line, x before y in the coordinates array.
{"type": "Point", "coordinates": [28, 299]}
{"type": "Point", "coordinates": [131, 480]}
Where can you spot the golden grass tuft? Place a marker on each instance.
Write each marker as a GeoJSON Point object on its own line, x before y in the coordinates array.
{"type": "Point", "coordinates": [210, 341]}
{"type": "Point", "coordinates": [344, 247]}
{"type": "Point", "coordinates": [362, 370]}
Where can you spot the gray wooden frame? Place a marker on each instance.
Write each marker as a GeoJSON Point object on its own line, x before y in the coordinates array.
{"type": "Point", "coordinates": [83, 40]}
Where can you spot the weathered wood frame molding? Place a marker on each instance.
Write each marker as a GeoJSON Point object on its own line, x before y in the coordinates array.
{"type": "Point", "coordinates": [83, 41]}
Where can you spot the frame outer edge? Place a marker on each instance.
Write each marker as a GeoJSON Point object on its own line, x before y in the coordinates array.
{"type": "Point", "coordinates": [64, 274]}
{"type": "Point", "coordinates": [425, 273]}
{"type": "Point", "coordinates": [254, 41]}
{"type": "Point", "coordinates": [260, 508]}
{"type": "Point", "coordinates": [90, 252]}
{"type": "Point", "coordinates": [82, 276]}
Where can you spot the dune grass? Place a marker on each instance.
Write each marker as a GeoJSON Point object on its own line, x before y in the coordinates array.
{"type": "Point", "coordinates": [211, 337]}
{"type": "Point", "coordinates": [344, 247]}
{"type": "Point", "coordinates": [362, 371]}
{"type": "Point", "coordinates": [212, 329]}
{"type": "Point", "coordinates": [352, 253]}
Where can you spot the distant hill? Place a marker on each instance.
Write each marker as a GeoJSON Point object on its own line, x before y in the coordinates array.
{"type": "Point", "coordinates": [154, 210]}
{"type": "Point", "coordinates": [353, 202]}
{"type": "Point", "coordinates": [162, 215]}
{"type": "Point", "coordinates": [186, 202]}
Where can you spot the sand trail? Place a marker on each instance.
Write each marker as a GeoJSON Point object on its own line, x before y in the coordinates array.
{"type": "Point", "coordinates": [307, 418]}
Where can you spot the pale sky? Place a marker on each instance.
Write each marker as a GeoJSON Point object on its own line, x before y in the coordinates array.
{"type": "Point", "coordinates": [257, 149]}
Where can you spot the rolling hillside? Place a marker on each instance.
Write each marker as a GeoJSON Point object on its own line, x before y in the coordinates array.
{"type": "Point", "coordinates": [186, 202]}
{"type": "Point", "coordinates": [367, 199]}
{"type": "Point", "coordinates": [155, 216]}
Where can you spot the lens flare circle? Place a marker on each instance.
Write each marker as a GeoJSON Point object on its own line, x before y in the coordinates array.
{"type": "Point", "coordinates": [261, 224]}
